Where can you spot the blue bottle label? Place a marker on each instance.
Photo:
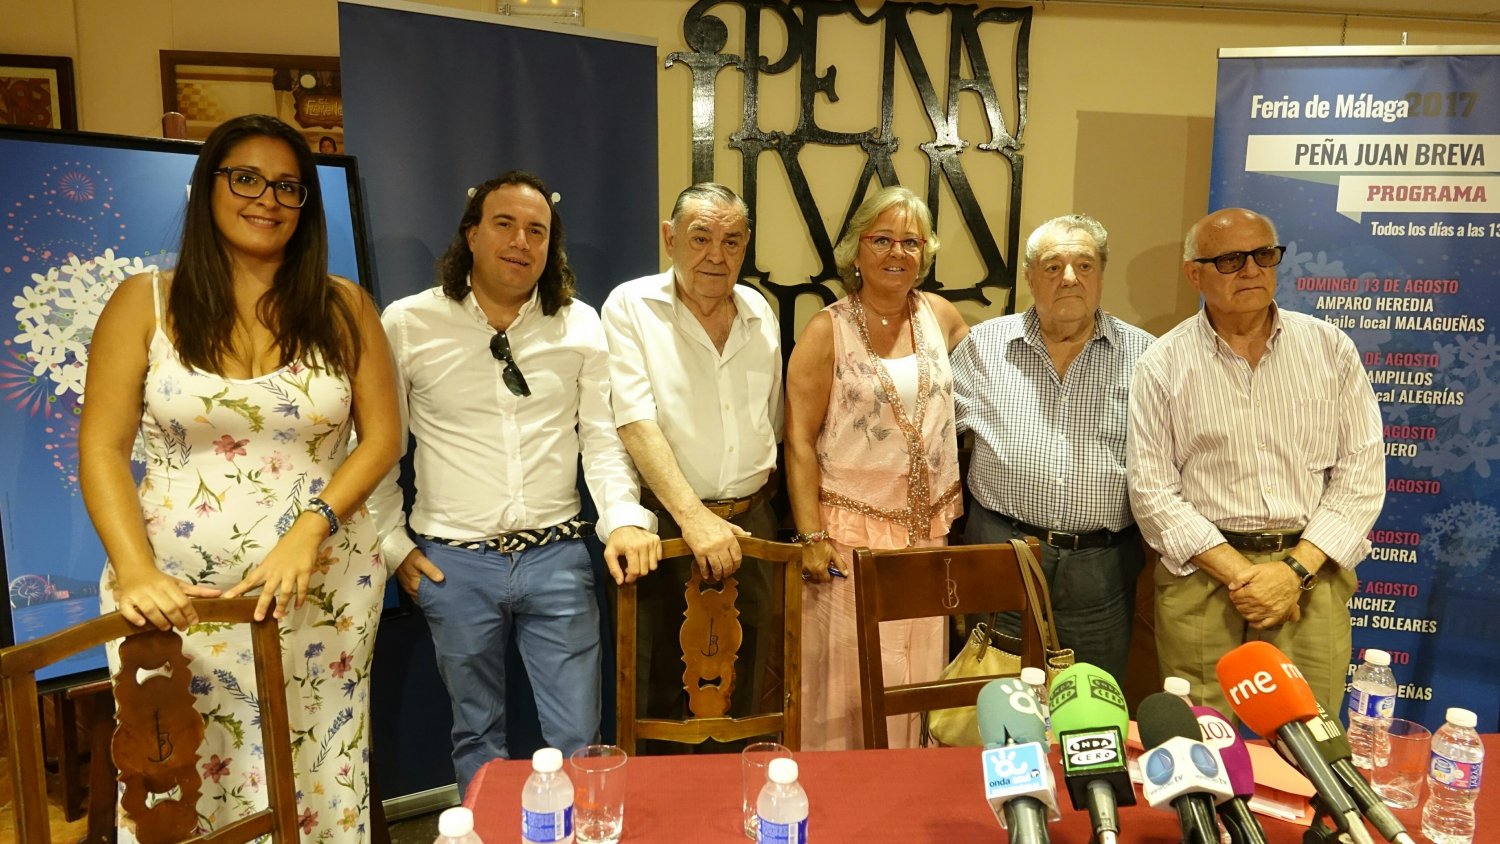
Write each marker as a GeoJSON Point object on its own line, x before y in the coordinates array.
{"type": "Point", "coordinates": [782, 833]}
{"type": "Point", "coordinates": [546, 826]}
{"type": "Point", "coordinates": [1371, 705]}
{"type": "Point", "coordinates": [1451, 772]}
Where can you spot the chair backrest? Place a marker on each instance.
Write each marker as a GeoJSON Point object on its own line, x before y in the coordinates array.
{"type": "Point", "coordinates": [156, 741]}
{"type": "Point", "coordinates": [927, 582]}
{"type": "Point", "coordinates": [710, 637]}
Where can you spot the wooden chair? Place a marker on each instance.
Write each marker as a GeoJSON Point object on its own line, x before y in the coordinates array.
{"type": "Point", "coordinates": [710, 638]}
{"type": "Point", "coordinates": [922, 583]}
{"type": "Point", "coordinates": [155, 744]}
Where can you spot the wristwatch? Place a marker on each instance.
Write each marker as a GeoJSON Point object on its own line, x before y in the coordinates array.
{"type": "Point", "coordinates": [1308, 578]}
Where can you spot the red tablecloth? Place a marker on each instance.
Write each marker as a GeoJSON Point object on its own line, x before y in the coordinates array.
{"type": "Point", "coordinates": [903, 796]}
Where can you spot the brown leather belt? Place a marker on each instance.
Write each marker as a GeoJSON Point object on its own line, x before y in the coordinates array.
{"type": "Point", "coordinates": [724, 508]}
{"type": "Point", "coordinates": [1261, 543]}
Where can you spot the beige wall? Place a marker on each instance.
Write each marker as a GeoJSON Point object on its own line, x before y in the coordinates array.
{"type": "Point", "coordinates": [1120, 122]}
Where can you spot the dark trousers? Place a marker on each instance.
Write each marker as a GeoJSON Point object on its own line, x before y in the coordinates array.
{"type": "Point", "coordinates": [1093, 591]}
{"type": "Point", "coordinates": [660, 609]}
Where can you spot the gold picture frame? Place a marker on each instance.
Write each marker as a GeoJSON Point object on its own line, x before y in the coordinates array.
{"type": "Point", "coordinates": [37, 91]}
{"type": "Point", "coordinates": [209, 88]}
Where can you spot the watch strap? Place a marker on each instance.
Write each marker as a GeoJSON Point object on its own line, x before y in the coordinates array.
{"type": "Point", "coordinates": [1308, 578]}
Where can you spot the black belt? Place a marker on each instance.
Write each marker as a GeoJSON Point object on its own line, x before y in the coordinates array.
{"type": "Point", "coordinates": [520, 540]}
{"type": "Point", "coordinates": [1062, 539]}
{"type": "Point", "coordinates": [1261, 543]}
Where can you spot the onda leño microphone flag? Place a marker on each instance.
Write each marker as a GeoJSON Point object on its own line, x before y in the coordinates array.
{"type": "Point", "coordinates": [1090, 720]}
{"type": "Point", "coordinates": [1268, 692]}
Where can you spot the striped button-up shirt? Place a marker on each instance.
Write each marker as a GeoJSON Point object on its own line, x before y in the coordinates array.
{"type": "Point", "coordinates": [1292, 443]}
{"type": "Point", "coordinates": [1049, 451]}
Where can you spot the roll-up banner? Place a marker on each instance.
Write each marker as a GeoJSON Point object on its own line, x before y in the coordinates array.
{"type": "Point", "coordinates": [1381, 170]}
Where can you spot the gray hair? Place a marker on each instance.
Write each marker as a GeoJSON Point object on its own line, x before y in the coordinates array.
{"type": "Point", "coordinates": [1190, 241]}
{"type": "Point", "coordinates": [1062, 225]}
{"type": "Point", "coordinates": [894, 196]}
{"type": "Point", "coordinates": [712, 194]}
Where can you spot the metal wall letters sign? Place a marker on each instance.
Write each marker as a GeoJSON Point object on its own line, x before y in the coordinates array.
{"type": "Point", "coordinates": [968, 71]}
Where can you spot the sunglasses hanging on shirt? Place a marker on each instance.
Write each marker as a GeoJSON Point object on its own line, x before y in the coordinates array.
{"type": "Point", "coordinates": [514, 380]}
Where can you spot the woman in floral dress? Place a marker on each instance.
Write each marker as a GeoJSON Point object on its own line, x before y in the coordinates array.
{"type": "Point", "coordinates": [244, 372]}
{"type": "Point", "coordinates": [872, 456]}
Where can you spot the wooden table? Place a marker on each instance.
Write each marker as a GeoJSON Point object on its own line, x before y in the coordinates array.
{"type": "Point", "coordinates": [908, 796]}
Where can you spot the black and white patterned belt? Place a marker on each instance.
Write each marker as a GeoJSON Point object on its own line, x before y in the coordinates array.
{"type": "Point", "coordinates": [520, 540]}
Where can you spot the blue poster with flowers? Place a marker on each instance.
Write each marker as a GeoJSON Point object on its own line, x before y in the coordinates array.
{"type": "Point", "coordinates": [1378, 167]}
{"type": "Point", "coordinates": [79, 213]}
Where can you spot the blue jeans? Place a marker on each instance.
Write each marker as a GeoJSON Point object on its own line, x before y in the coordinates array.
{"type": "Point", "coordinates": [1093, 591]}
{"type": "Point", "coordinates": [544, 594]}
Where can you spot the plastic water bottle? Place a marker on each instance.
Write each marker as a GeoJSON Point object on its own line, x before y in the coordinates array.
{"type": "Point", "coordinates": [781, 809]}
{"type": "Point", "coordinates": [547, 801]}
{"type": "Point", "coordinates": [1453, 776]}
{"type": "Point", "coordinates": [1036, 678]}
{"type": "Point", "coordinates": [456, 826]}
{"type": "Point", "coordinates": [1179, 687]}
{"type": "Point", "coordinates": [1372, 702]}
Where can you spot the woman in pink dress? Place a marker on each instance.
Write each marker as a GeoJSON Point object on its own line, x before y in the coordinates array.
{"type": "Point", "coordinates": [872, 458]}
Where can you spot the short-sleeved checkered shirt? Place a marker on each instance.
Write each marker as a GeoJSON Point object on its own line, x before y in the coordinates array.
{"type": "Point", "coordinates": [1048, 451]}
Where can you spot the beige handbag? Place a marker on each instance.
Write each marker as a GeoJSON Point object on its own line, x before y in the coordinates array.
{"type": "Point", "coordinates": [989, 653]}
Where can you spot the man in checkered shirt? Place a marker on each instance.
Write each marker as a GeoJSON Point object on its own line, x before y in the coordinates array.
{"type": "Point", "coordinates": [1045, 393]}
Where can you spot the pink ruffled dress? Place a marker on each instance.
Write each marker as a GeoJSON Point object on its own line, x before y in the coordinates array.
{"type": "Point", "coordinates": [889, 480]}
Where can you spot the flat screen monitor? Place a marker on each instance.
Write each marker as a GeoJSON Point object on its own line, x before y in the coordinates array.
{"type": "Point", "coordinates": [79, 213]}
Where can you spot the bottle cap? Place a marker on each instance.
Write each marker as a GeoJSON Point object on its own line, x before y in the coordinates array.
{"type": "Point", "coordinates": [1376, 656]}
{"type": "Point", "coordinates": [547, 760]}
{"type": "Point", "coordinates": [456, 822]}
{"type": "Point", "coordinates": [1462, 717]}
{"type": "Point", "coordinates": [782, 771]}
{"type": "Point", "coordinates": [1177, 686]}
{"type": "Point", "coordinates": [1033, 676]}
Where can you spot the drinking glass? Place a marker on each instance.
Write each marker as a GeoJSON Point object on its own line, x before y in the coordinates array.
{"type": "Point", "coordinates": [598, 773]}
{"type": "Point", "coordinates": [755, 763]}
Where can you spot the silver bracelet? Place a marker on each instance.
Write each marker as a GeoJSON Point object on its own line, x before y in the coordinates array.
{"type": "Point", "coordinates": [323, 509]}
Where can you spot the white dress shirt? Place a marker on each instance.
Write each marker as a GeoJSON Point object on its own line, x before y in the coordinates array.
{"type": "Point", "coordinates": [1293, 443]}
{"type": "Point", "coordinates": [720, 412]}
{"type": "Point", "coordinates": [489, 462]}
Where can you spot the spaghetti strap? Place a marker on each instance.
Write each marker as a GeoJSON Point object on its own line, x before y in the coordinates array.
{"type": "Point", "coordinates": [156, 304]}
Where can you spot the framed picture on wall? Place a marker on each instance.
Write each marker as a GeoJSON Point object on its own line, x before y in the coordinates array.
{"type": "Point", "coordinates": [37, 91]}
{"type": "Point", "coordinates": [209, 88]}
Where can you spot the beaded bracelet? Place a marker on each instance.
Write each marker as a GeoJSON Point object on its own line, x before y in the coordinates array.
{"type": "Point", "coordinates": [323, 509]}
{"type": "Point", "coordinates": [810, 538]}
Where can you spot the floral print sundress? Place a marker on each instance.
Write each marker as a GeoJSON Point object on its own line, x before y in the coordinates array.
{"type": "Point", "coordinates": [229, 464]}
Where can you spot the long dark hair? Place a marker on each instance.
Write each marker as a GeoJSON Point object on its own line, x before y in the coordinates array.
{"type": "Point", "coordinates": [556, 282]}
{"type": "Point", "coordinates": [303, 309]}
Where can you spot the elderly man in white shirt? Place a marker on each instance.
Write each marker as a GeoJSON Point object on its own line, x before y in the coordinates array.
{"type": "Point", "coordinates": [1256, 468]}
{"type": "Point", "coordinates": [695, 365]}
{"type": "Point", "coordinates": [503, 379]}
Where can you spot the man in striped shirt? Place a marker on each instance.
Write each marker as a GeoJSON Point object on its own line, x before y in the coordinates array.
{"type": "Point", "coordinates": [1256, 468]}
{"type": "Point", "coordinates": [1044, 392]}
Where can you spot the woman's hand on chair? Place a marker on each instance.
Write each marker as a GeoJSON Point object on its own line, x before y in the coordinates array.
{"type": "Point", "coordinates": [157, 598]}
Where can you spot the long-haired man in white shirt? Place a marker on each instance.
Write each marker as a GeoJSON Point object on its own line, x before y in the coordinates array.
{"type": "Point", "coordinates": [503, 380]}
{"type": "Point", "coordinates": [1256, 468]}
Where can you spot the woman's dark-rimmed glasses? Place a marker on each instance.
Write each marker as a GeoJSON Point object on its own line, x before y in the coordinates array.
{"type": "Point", "coordinates": [252, 185]}
{"type": "Point", "coordinates": [514, 380]}
{"type": "Point", "coordinates": [1233, 262]}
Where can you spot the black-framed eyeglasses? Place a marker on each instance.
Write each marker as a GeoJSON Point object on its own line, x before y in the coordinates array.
{"type": "Point", "coordinates": [252, 185]}
{"type": "Point", "coordinates": [1233, 262]}
{"type": "Point", "coordinates": [514, 380]}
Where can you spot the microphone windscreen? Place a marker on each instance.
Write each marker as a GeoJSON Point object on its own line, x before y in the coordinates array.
{"type": "Point", "coordinates": [1265, 689]}
{"type": "Point", "coordinates": [1085, 697]}
{"type": "Point", "coordinates": [1333, 745]}
{"type": "Point", "coordinates": [1219, 734]}
{"type": "Point", "coordinates": [1008, 714]}
{"type": "Point", "coordinates": [1164, 716]}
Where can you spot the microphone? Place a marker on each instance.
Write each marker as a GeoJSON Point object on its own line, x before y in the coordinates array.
{"type": "Point", "coordinates": [1090, 720]}
{"type": "Point", "coordinates": [1017, 776]}
{"type": "Point", "coordinates": [1268, 692]}
{"type": "Point", "coordinates": [1333, 746]}
{"type": "Point", "coordinates": [1179, 769]}
{"type": "Point", "coordinates": [1219, 734]}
